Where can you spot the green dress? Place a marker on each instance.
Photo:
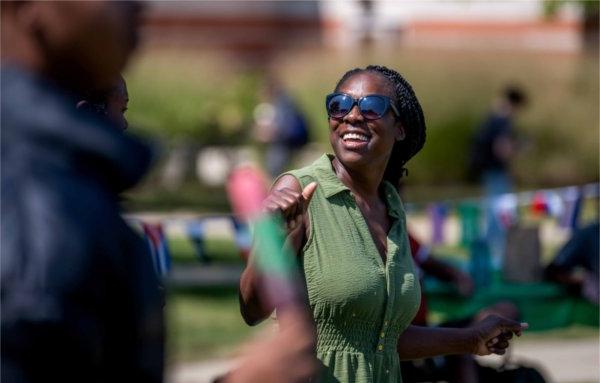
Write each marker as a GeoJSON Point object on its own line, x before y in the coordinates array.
{"type": "Point", "coordinates": [360, 305]}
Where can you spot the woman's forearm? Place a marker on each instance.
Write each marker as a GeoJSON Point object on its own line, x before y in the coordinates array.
{"type": "Point", "coordinates": [418, 342]}
{"type": "Point", "coordinates": [252, 308]}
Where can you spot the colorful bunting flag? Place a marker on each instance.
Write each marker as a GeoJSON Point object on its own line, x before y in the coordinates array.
{"type": "Point", "coordinates": [196, 231]}
{"type": "Point", "coordinates": [158, 246]}
{"type": "Point", "coordinates": [505, 208]}
{"type": "Point", "coordinates": [242, 237]}
{"type": "Point", "coordinates": [572, 198]}
{"type": "Point", "coordinates": [554, 204]}
{"type": "Point", "coordinates": [469, 214]}
{"type": "Point", "coordinates": [539, 205]}
{"type": "Point", "coordinates": [437, 214]}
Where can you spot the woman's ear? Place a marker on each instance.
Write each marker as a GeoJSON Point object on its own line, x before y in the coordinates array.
{"type": "Point", "coordinates": [400, 133]}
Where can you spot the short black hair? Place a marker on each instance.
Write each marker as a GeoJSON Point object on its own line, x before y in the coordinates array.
{"type": "Point", "coordinates": [515, 95]}
{"type": "Point", "coordinates": [411, 117]}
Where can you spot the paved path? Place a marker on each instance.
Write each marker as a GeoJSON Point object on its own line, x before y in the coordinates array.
{"type": "Point", "coordinates": [563, 361]}
{"type": "Point", "coordinates": [194, 275]}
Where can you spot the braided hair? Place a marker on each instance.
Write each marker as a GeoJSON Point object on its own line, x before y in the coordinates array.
{"type": "Point", "coordinates": [411, 117]}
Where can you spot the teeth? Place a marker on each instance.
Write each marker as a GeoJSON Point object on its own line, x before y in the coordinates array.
{"type": "Point", "coordinates": [355, 136]}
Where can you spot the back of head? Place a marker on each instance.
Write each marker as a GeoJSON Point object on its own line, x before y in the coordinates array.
{"type": "Point", "coordinates": [515, 96]}
{"type": "Point", "coordinates": [76, 44]}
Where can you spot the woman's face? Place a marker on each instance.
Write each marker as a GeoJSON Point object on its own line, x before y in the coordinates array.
{"type": "Point", "coordinates": [357, 141]}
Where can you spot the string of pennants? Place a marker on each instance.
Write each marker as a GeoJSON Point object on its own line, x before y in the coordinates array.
{"type": "Point", "coordinates": [563, 204]}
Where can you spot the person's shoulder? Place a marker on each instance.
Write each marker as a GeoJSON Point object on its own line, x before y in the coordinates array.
{"type": "Point", "coordinates": [298, 178]}
{"type": "Point", "coordinates": [77, 202]}
{"type": "Point", "coordinates": [287, 181]}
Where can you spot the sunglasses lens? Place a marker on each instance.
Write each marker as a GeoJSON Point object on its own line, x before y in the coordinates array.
{"type": "Point", "coordinates": [373, 107]}
{"type": "Point", "coordinates": [339, 105]}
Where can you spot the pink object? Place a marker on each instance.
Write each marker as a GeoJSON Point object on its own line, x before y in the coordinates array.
{"type": "Point", "coordinates": [247, 189]}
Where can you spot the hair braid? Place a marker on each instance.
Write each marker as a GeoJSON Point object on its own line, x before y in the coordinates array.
{"type": "Point", "coordinates": [411, 118]}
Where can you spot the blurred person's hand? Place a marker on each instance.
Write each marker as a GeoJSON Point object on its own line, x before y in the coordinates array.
{"type": "Point", "coordinates": [493, 333]}
{"type": "Point", "coordinates": [286, 357]}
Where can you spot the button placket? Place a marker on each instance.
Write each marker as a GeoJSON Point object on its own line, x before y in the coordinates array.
{"type": "Point", "coordinates": [390, 287]}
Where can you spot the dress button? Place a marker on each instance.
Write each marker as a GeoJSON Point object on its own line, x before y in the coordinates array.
{"type": "Point", "coordinates": [380, 348]}
{"type": "Point", "coordinates": [385, 323]}
{"type": "Point", "coordinates": [382, 334]}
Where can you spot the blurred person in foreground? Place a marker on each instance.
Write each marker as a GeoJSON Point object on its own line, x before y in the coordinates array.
{"type": "Point", "coordinates": [346, 224]}
{"type": "Point", "coordinates": [80, 299]}
{"type": "Point", "coordinates": [494, 146]}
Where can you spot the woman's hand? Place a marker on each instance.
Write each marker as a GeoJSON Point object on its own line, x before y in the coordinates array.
{"type": "Point", "coordinates": [292, 204]}
{"type": "Point", "coordinates": [492, 334]}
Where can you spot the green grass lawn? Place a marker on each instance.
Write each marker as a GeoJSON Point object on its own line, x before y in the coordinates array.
{"type": "Point", "coordinates": [220, 250]}
{"type": "Point", "coordinates": [204, 324]}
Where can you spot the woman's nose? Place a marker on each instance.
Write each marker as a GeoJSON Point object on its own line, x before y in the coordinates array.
{"type": "Point", "coordinates": [354, 114]}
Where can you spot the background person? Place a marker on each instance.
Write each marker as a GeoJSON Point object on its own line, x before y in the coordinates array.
{"type": "Point", "coordinates": [280, 125]}
{"type": "Point", "coordinates": [576, 263]}
{"type": "Point", "coordinates": [494, 146]}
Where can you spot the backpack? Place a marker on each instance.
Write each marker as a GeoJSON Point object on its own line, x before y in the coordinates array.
{"type": "Point", "coordinates": [296, 133]}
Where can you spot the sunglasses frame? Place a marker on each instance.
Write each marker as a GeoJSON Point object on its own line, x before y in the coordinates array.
{"type": "Point", "coordinates": [387, 104]}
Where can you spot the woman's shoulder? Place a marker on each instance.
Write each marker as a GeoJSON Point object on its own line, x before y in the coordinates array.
{"type": "Point", "coordinates": [287, 181]}
{"type": "Point", "coordinates": [303, 176]}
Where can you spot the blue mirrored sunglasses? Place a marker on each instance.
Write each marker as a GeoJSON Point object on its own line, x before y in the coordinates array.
{"type": "Point", "coordinates": [372, 106]}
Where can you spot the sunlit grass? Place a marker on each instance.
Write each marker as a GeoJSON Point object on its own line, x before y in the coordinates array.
{"type": "Point", "coordinates": [219, 250]}
{"type": "Point", "coordinates": [204, 324]}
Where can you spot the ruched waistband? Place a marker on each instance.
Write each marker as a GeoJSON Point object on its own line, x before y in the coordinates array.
{"type": "Point", "coordinates": [359, 337]}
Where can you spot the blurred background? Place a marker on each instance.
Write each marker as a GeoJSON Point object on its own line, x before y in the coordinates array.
{"type": "Point", "coordinates": [212, 78]}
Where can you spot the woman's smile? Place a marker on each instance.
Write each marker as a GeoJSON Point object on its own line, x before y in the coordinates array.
{"type": "Point", "coordinates": [355, 140]}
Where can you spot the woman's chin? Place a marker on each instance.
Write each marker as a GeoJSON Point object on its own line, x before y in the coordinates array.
{"type": "Point", "coordinates": [352, 157]}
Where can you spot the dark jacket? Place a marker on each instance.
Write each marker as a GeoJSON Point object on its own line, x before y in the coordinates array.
{"type": "Point", "coordinates": [80, 301]}
{"type": "Point", "coordinates": [483, 157]}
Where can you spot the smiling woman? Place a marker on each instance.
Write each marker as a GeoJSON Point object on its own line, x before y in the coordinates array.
{"type": "Point", "coordinates": [346, 223]}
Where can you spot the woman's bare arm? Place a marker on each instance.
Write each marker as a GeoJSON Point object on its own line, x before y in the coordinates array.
{"type": "Point", "coordinates": [490, 336]}
{"type": "Point", "coordinates": [287, 198]}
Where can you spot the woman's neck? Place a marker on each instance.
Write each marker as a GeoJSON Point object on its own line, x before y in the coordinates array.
{"type": "Point", "coordinates": [364, 182]}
